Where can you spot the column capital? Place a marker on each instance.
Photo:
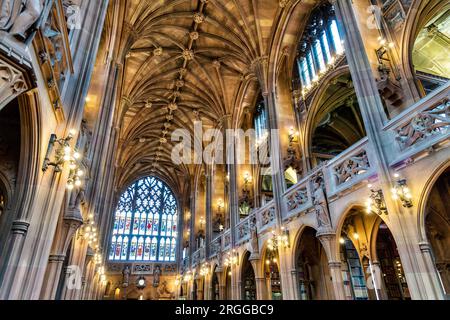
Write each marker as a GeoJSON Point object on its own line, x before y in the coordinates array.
{"type": "Point", "coordinates": [56, 258]}
{"type": "Point", "coordinates": [334, 264]}
{"type": "Point", "coordinates": [425, 246]}
{"type": "Point", "coordinates": [20, 227]}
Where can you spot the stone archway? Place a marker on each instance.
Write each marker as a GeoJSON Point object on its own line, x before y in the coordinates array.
{"type": "Point", "coordinates": [370, 260]}
{"type": "Point", "coordinates": [437, 227]}
{"type": "Point", "coordinates": [313, 274]}
{"type": "Point", "coordinates": [248, 279]}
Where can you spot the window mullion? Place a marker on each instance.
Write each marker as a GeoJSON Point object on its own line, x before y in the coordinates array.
{"type": "Point", "coordinates": [161, 208]}
{"type": "Point", "coordinates": [133, 213]}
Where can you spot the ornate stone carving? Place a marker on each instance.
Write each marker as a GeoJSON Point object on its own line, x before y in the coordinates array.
{"type": "Point", "coordinates": [158, 52]}
{"type": "Point", "coordinates": [268, 216]}
{"type": "Point", "coordinates": [17, 16]}
{"type": "Point", "coordinates": [320, 202]}
{"type": "Point", "coordinates": [156, 276]}
{"type": "Point", "coordinates": [12, 83]}
{"type": "Point", "coordinates": [351, 167]}
{"type": "Point", "coordinates": [254, 240]}
{"type": "Point", "coordinates": [126, 276]}
{"type": "Point", "coordinates": [199, 17]}
{"type": "Point", "coordinates": [424, 125]}
{"type": "Point", "coordinates": [188, 54]}
{"type": "Point", "coordinates": [297, 199]}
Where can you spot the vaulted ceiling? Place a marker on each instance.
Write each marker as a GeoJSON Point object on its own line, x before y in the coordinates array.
{"type": "Point", "coordinates": [184, 60]}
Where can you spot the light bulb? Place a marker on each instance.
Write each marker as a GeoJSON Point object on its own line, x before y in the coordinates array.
{"type": "Point", "coordinates": [70, 186]}
{"type": "Point", "coordinates": [67, 150]}
{"type": "Point", "coordinates": [76, 155]}
{"type": "Point", "coordinates": [356, 236]}
{"type": "Point", "coordinates": [72, 166]}
{"type": "Point", "coordinates": [80, 173]}
{"type": "Point", "coordinates": [342, 240]}
{"type": "Point", "coordinates": [73, 132]}
{"type": "Point", "coordinates": [78, 183]}
{"type": "Point", "coordinates": [66, 157]}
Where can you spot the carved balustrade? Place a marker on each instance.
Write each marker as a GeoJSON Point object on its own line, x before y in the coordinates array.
{"type": "Point", "coordinates": [423, 126]}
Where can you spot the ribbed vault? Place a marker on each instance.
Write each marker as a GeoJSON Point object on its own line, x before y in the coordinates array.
{"type": "Point", "coordinates": [184, 60]}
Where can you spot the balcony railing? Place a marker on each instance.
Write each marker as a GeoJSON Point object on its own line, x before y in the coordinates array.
{"type": "Point", "coordinates": [265, 216]}
{"type": "Point", "coordinates": [346, 170]}
{"type": "Point", "coordinates": [198, 257]}
{"type": "Point", "coordinates": [244, 228]}
{"type": "Point", "coordinates": [422, 126]}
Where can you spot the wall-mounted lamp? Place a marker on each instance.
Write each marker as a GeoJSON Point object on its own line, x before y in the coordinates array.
{"type": "Point", "coordinates": [188, 276]}
{"type": "Point", "coordinates": [232, 258]}
{"type": "Point", "coordinates": [202, 222]}
{"type": "Point", "coordinates": [293, 135]}
{"type": "Point", "coordinates": [375, 202]}
{"type": "Point", "coordinates": [247, 178]}
{"type": "Point", "coordinates": [204, 270]}
{"type": "Point", "coordinates": [62, 153]}
{"type": "Point", "coordinates": [90, 232]}
{"type": "Point", "coordinates": [278, 240]}
{"type": "Point", "coordinates": [220, 205]}
{"type": "Point", "coordinates": [402, 192]}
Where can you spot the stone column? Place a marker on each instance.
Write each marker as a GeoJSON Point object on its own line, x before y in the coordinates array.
{"type": "Point", "coordinates": [295, 284]}
{"type": "Point", "coordinates": [19, 231]}
{"type": "Point", "coordinates": [67, 227]}
{"type": "Point", "coordinates": [328, 241]}
{"type": "Point", "coordinates": [260, 281]}
{"type": "Point", "coordinates": [222, 283]}
{"type": "Point", "coordinates": [208, 216]}
{"type": "Point", "coordinates": [430, 274]}
{"type": "Point", "coordinates": [377, 278]}
{"type": "Point", "coordinates": [54, 269]}
{"type": "Point", "coordinates": [336, 278]}
{"type": "Point", "coordinates": [233, 198]}
{"type": "Point", "coordinates": [200, 289]}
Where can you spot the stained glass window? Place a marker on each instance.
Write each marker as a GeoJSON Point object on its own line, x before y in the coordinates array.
{"type": "Point", "coordinates": [319, 44]}
{"type": "Point", "coordinates": [145, 224]}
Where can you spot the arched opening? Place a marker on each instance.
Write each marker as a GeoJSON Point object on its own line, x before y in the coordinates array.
{"type": "Point", "coordinates": [431, 51]}
{"type": "Point", "coordinates": [194, 290]}
{"type": "Point", "coordinates": [145, 225]}
{"type": "Point", "coordinates": [371, 265]}
{"type": "Point", "coordinates": [228, 287]}
{"type": "Point", "coordinates": [10, 140]}
{"type": "Point", "coordinates": [312, 268]}
{"type": "Point", "coordinates": [215, 286]}
{"type": "Point", "coordinates": [272, 275]}
{"type": "Point", "coordinates": [337, 122]}
{"type": "Point", "coordinates": [248, 279]}
{"type": "Point", "coordinates": [117, 294]}
{"type": "Point", "coordinates": [437, 227]}
{"type": "Point", "coordinates": [183, 290]}
{"type": "Point", "coordinates": [394, 279]}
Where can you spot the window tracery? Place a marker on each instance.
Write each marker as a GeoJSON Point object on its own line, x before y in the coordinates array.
{"type": "Point", "coordinates": [145, 225]}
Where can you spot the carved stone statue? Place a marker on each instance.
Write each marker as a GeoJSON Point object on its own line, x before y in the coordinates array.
{"type": "Point", "coordinates": [254, 241]}
{"type": "Point", "coordinates": [126, 276]}
{"type": "Point", "coordinates": [17, 16]}
{"type": "Point", "coordinates": [320, 204]}
{"type": "Point", "coordinates": [156, 276]}
{"type": "Point", "coordinates": [163, 292]}
{"type": "Point", "coordinates": [77, 198]}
